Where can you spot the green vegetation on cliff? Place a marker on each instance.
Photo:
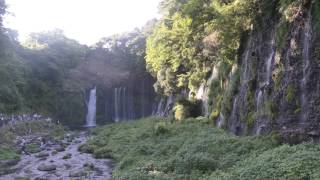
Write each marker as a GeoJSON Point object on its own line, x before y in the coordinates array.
{"type": "Point", "coordinates": [155, 148]}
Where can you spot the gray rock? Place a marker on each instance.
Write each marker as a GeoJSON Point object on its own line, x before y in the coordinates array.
{"type": "Point", "coordinates": [42, 154]}
{"type": "Point", "coordinates": [47, 167]}
{"type": "Point", "coordinates": [67, 156]}
{"type": "Point", "coordinates": [78, 174]}
{"type": "Point", "coordinates": [60, 149]}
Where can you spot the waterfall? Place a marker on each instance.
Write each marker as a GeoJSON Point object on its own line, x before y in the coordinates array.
{"type": "Point", "coordinates": [123, 101]}
{"type": "Point", "coordinates": [234, 108]}
{"type": "Point", "coordinates": [117, 104]}
{"type": "Point", "coordinates": [306, 66]}
{"type": "Point", "coordinates": [246, 76]}
{"type": "Point", "coordinates": [159, 108]}
{"type": "Point", "coordinates": [164, 106]}
{"type": "Point", "coordinates": [200, 93]}
{"type": "Point", "coordinates": [123, 104]}
{"type": "Point", "coordinates": [91, 115]}
{"type": "Point", "coordinates": [259, 100]}
{"type": "Point", "coordinates": [270, 61]}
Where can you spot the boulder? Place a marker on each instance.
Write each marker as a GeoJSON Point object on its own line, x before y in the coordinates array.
{"type": "Point", "coordinates": [78, 174]}
{"type": "Point", "coordinates": [67, 156]}
{"type": "Point", "coordinates": [60, 149]}
{"type": "Point", "coordinates": [42, 155]}
{"type": "Point", "coordinates": [47, 167]}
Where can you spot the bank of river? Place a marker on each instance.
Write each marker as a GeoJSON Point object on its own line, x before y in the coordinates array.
{"type": "Point", "coordinates": [60, 160]}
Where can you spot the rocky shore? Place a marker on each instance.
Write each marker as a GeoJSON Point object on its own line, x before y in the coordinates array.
{"type": "Point", "coordinates": [43, 158]}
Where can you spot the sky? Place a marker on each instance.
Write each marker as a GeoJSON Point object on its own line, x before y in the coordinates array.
{"type": "Point", "coordinates": [84, 20]}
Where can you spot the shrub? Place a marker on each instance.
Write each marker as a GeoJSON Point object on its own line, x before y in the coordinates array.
{"type": "Point", "coordinates": [161, 128]}
{"type": "Point", "coordinates": [185, 108]}
{"type": "Point", "coordinates": [7, 153]}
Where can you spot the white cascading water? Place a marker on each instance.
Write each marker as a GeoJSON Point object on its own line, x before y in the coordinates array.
{"type": "Point", "coordinates": [259, 100]}
{"type": "Point", "coordinates": [91, 114]}
{"type": "Point", "coordinates": [159, 107]}
{"type": "Point", "coordinates": [270, 61]}
{"type": "Point", "coordinates": [306, 66]}
{"type": "Point", "coordinates": [200, 92]}
{"type": "Point", "coordinates": [116, 105]}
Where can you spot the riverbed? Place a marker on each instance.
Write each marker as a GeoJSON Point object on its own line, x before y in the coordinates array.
{"type": "Point", "coordinates": [58, 162]}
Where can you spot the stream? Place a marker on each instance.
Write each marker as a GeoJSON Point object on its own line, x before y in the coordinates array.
{"type": "Point", "coordinates": [58, 162]}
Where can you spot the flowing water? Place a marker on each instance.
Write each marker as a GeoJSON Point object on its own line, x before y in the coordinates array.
{"type": "Point", "coordinates": [306, 67]}
{"type": "Point", "coordinates": [76, 166]}
{"type": "Point", "coordinates": [270, 61]}
{"type": "Point", "coordinates": [92, 107]}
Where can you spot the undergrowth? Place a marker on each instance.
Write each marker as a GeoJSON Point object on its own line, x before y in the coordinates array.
{"type": "Point", "coordinates": [194, 149]}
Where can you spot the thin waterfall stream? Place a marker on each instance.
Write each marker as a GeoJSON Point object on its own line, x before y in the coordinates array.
{"type": "Point", "coordinates": [92, 108]}
{"type": "Point", "coordinates": [306, 67]}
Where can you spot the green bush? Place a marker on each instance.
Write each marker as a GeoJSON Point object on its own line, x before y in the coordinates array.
{"type": "Point", "coordinates": [192, 150]}
{"type": "Point", "coordinates": [7, 153]}
{"type": "Point", "coordinates": [284, 162]}
{"type": "Point", "coordinates": [161, 128]}
{"type": "Point", "coordinates": [185, 109]}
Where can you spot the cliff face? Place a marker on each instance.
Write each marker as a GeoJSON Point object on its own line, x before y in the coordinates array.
{"type": "Point", "coordinates": [279, 81]}
{"type": "Point", "coordinates": [131, 99]}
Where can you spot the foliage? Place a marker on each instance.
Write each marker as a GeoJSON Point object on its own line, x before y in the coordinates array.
{"type": "Point", "coordinates": [316, 15]}
{"type": "Point", "coordinates": [284, 162]}
{"type": "Point", "coordinates": [291, 91]}
{"type": "Point", "coordinates": [206, 153]}
{"type": "Point", "coordinates": [161, 128]}
{"type": "Point", "coordinates": [184, 109]}
{"type": "Point", "coordinates": [7, 153]}
{"type": "Point", "coordinates": [282, 33]}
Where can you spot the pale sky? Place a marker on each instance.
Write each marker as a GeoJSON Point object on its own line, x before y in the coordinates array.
{"type": "Point", "coordinates": [84, 20]}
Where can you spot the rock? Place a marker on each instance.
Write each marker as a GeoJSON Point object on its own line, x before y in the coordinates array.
{"type": "Point", "coordinates": [60, 149]}
{"type": "Point", "coordinates": [78, 174]}
{"type": "Point", "coordinates": [67, 156]}
{"type": "Point", "coordinates": [6, 163]}
{"type": "Point", "coordinates": [89, 166]}
{"type": "Point", "coordinates": [47, 167]}
{"type": "Point", "coordinates": [67, 166]}
{"type": "Point", "coordinates": [54, 153]}
{"type": "Point", "coordinates": [42, 154]}
{"type": "Point", "coordinates": [21, 178]}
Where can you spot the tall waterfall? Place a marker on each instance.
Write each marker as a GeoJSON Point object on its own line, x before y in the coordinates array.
{"type": "Point", "coordinates": [118, 103]}
{"type": "Point", "coordinates": [123, 109]}
{"type": "Point", "coordinates": [306, 66]}
{"type": "Point", "coordinates": [91, 114]}
{"type": "Point", "coordinates": [270, 60]}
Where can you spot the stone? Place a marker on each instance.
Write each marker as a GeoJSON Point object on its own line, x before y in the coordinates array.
{"type": "Point", "coordinates": [47, 167]}
{"type": "Point", "coordinates": [89, 166]}
{"type": "Point", "coordinates": [67, 156]}
{"type": "Point", "coordinates": [11, 162]}
{"type": "Point", "coordinates": [60, 149]}
{"type": "Point", "coordinates": [78, 174]}
{"type": "Point", "coordinates": [42, 154]}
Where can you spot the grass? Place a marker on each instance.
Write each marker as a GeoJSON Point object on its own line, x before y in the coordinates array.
{"type": "Point", "coordinates": [7, 153]}
{"type": "Point", "coordinates": [194, 149]}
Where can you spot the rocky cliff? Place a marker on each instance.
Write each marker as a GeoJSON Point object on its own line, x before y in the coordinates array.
{"type": "Point", "coordinates": [278, 78]}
